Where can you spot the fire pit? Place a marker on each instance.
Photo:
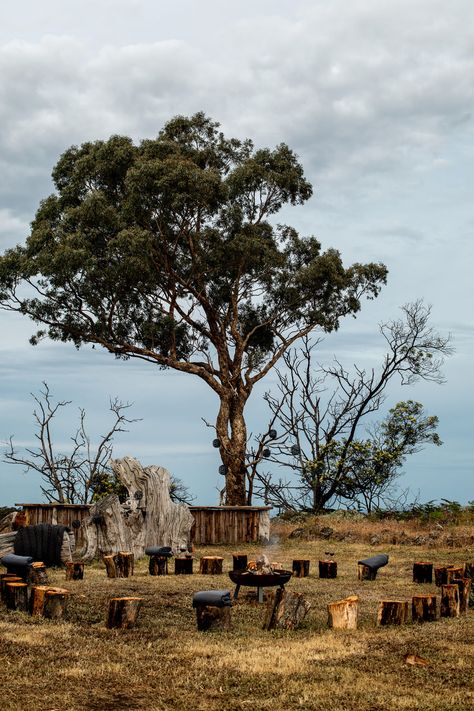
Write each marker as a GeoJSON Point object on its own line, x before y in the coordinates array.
{"type": "Point", "coordinates": [263, 577]}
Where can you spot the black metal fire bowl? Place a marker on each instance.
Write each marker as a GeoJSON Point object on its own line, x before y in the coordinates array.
{"type": "Point", "coordinates": [266, 580]}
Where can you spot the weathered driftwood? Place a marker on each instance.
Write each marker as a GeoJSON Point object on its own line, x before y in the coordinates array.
{"type": "Point", "coordinates": [123, 612]}
{"type": "Point", "coordinates": [422, 572]}
{"type": "Point", "coordinates": [343, 614]}
{"type": "Point", "coordinates": [148, 518]}
{"type": "Point", "coordinates": [54, 605]}
{"type": "Point", "coordinates": [183, 566]}
{"type": "Point", "coordinates": [392, 612]}
{"type": "Point", "coordinates": [209, 617]}
{"type": "Point", "coordinates": [17, 596]}
{"type": "Point", "coordinates": [211, 565]}
{"type": "Point", "coordinates": [6, 543]}
{"type": "Point", "coordinates": [285, 610]}
{"type": "Point", "coordinates": [74, 570]}
{"type": "Point", "coordinates": [327, 569]}
{"type": "Point", "coordinates": [450, 604]}
{"type": "Point", "coordinates": [423, 608]}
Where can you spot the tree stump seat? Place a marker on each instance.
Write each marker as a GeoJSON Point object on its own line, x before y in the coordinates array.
{"type": "Point", "coordinates": [239, 561]}
{"type": "Point", "coordinates": [183, 566]}
{"type": "Point", "coordinates": [327, 569]}
{"type": "Point", "coordinates": [74, 570]}
{"type": "Point", "coordinates": [422, 572]}
{"type": "Point", "coordinates": [17, 564]}
{"type": "Point", "coordinates": [392, 612]}
{"type": "Point", "coordinates": [211, 565]}
{"type": "Point", "coordinates": [212, 609]}
{"type": "Point", "coordinates": [159, 556]}
{"type": "Point", "coordinates": [119, 565]}
{"type": "Point", "coordinates": [343, 614]}
{"type": "Point", "coordinates": [123, 612]}
{"type": "Point", "coordinates": [368, 567]}
{"type": "Point", "coordinates": [423, 608]}
{"type": "Point", "coordinates": [300, 568]}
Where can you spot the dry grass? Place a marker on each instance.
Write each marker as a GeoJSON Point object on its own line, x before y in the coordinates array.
{"type": "Point", "coordinates": [164, 663]}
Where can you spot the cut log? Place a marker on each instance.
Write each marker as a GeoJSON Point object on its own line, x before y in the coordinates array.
{"type": "Point", "coordinates": [37, 598]}
{"type": "Point", "coordinates": [300, 568]}
{"type": "Point", "coordinates": [450, 606]}
{"type": "Point", "coordinates": [123, 612]}
{"type": "Point", "coordinates": [364, 572]}
{"type": "Point", "coordinates": [8, 578]}
{"type": "Point", "coordinates": [469, 572]}
{"type": "Point", "coordinates": [110, 568]}
{"type": "Point", "coordinates": [343, 614]}
{"type": "Point", "coordinates": [183, 566]}
{"type": "Point", "coordinates": [17, 596]}
{"type": "Point", "coordinates": [124, 564]}
{"type": "Point", "coordinates": [392, 612]}
{"type": "Point", "coordinates": [423, 608]}
{"type": "Point", "coordinates": [239, 561]}
{"type": "Point", "coordinates": [440, 575]}
{"type": "Point", "coordinates": [422, 572]}
{"type": "Point", "coordinates": [74, 570]}
{"type": "Point", "coordinates": [54, 605]}
{"type": "Point", "coordinates": [149, 514]}
{"type": "Point", "coordinates": [464, 585]}
{"type": "Point", "coordinates": [327, 569]}
{"type": "Point", "coordinates": [285, 610]}
{"type": "Point", "coordinates": [37, 574]}
{"type": "Point", "coordinates": [209, 617]}
{"type": "Point", "coordinates": [454, 572]}
{"type": "Point", "coordinates": [158, 565]}
{"type": "Point", "coordinates": [211, 565]}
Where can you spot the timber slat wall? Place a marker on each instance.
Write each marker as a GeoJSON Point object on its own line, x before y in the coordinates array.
{"type": "Point", "coordinates": [59, 514]}
{"type": "Point", "coordinates": [229, 524]}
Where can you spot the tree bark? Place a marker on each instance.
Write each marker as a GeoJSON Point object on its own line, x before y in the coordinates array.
{"type": "Point", "coordinates": [231, 431]}
{"type": "Point", "coordinates": [392, 612]}
{"type": "Point", "coordinates": [423, 608]}
{"type": "Point", "coordinates": [343, 614]}
{"type": "Point", "coordinates": [285, 610]}
{"type": "Point", "coordinates": [450, 604]}
{"type": "Point", "coordinates": [422, 572]}
{"type": "Point", "coordinates": [327, 569]}
{"type": "Point", "coordinates": [210, 617]}
{"type": "Point", "coordinates": [74, 570]}
{"type": "Point", "coordinates": [211, 565]}
{"type": "Point", "coordinates": [123, 612]}
{"type": "Point", "coordinates": [55, 600]}
{"type": "Point", "coordinates": [17, 596]}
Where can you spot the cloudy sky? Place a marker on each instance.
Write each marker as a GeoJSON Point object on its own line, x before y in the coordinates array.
{"type": "Point", "coordinates": [375, 96]}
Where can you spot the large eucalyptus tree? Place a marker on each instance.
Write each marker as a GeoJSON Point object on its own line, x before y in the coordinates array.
{"type": "Point", "coordinates": [167, 251]}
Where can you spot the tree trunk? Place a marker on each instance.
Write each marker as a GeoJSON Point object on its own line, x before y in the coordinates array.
{"type": "Point", "coordinates": [17, 596]}
{"type": "Point", "coordinates": [123, 612]}
{"type": "Point", "coordinates": [450, 606]}
{"type": "Point", "coordinates": [422, 572]}
{"type": "Point", "coordinates": [392, 612]}
{"type": "Point", "coordinates": [148, 518]}
{"type": "Point", "coordinates": [285, 610]}
{"type": "Point", "coordinates": [210, 617]}
{"type": "Point", "coordinates": [327, 569]}
{"type": "Point", "coordinates": [55, 603]}
{"type": "Point", "coordinates": [423, 608]}
{"type": "Point", "coordinates": [231, 431]}
{"type": "Point", "coordinates": [343, 614]}
{"type": "Point", "coordinates": [211, 565]}
{"type": "Point", "coordinates": [239, 561]}
{"type": "Point", "coordinates": [74, 571]}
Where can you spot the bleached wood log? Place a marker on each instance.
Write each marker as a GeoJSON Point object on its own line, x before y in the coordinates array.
{"type": "Point", "coordinates": [343, 614]}
{"type": "Point", "coordinates": [148, 518]}
{"type": "Point", "coordinates": [6, 543]}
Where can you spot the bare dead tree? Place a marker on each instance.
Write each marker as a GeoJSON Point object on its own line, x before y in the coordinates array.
{"type": "Point", "coordinates": [319, 409]}
{"type": "Point", "coordinates": [77, 476]}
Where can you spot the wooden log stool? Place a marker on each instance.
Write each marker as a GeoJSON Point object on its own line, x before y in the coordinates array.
{"type": "Point", "coordinates": [423, 608]}
{"type": "Point", "coordinates": [54, 604]}
{"type": "Point", "coordinates": [392, 612]}
{"type": "Point", "coordinates": [212, 609]}
{"type": "Point", "coordinates": [239, 561]}
{"type": "Point", "coordinates": [17, 564]}
{"type": "Point", "coordinates": [422, 572]}
{"type": "Point", "coordinates": [343, 614]}
{"type": "Point", "coordinates": [454, 572]}
{"type": "Point", "coordinates": [17, 596]}
{"type": "Point", "coordinates": [368, 568]}
{"type": "Point", "coordinates": [123, 612]}
{"type": "Point", "coordinates": [285, 610]}
{"type": "Point", "coordinates": [444, 574]}
{"type": "Point", "coordinates": [37, 597]}
{"type": "Point", "coordinates": [464, 585]}
{"type": "Point", "coordinates": [8, 578]}
{"type": "Point", "coordinates": [158, 563]}
{"type": "Point", "coordinates": [74, 570]}
{"type": "Point", "coordinates": [119, 565]}
{"type": "Point", "coordinates": [327, 569]}
{"type": "Point", "coordinates": [211, 565]}
{"type": "Point", "coordinates": [183, 566]}
{"type": "Point", "coordinates": [450, 604]}
{"type": "Point", "coordinates": [300, 568]}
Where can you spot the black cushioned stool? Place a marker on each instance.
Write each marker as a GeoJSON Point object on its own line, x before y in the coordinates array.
{"type": "Point", "coordinates": [212, 609]}
{"type": "Point", "coordinates": [367, 568]}
{"type": "Point", "coordinates": [17, 564]}
{"type": "Point", "coordinates": [159, 555]}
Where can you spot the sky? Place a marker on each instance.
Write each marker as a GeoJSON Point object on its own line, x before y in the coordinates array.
{"type": "Point", "coordinates": [376, 98]}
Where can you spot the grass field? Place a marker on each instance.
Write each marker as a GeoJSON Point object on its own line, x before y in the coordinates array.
{"type": "Point", "coordinates": [165, 663]}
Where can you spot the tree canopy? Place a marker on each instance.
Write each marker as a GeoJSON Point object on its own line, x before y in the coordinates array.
{"type": "Point", "coordinates": [167, 251]}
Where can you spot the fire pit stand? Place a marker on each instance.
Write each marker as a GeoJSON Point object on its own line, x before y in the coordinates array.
{"type": "Point", "coordinates": [278, 578]}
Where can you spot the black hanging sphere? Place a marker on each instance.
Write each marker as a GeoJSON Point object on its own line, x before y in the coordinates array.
{"type": "Point", "coordinates": [266, 453]}
{"type": "Point", "coordinates": [272, 434]}
{"type": "Point", "coordinates": [216, 443]}
{"type": "Point", "coordinates": [295, 449]}
{"type": "Point", "coordinates": [223, 469]}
